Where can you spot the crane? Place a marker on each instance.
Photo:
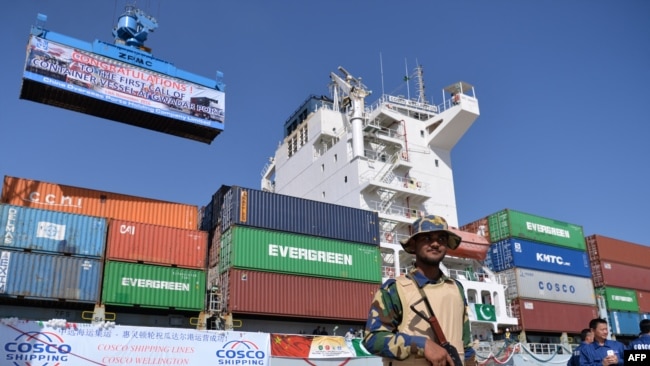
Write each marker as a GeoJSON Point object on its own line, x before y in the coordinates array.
{"type": "Point", "coordinates": [133, 27]}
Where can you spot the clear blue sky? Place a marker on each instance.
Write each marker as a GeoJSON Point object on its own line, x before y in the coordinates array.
{"type": "Point", "coordinates": [563, 88]}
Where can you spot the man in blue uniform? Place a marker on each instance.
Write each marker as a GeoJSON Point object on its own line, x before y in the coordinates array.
{"type": "Point", "coordinates": [602, 351]}
{"type": "Point", "coordinates": [643, 342]}
{"type": "Point", "coordinates": [587, 337]}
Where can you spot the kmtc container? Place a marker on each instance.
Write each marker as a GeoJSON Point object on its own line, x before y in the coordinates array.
{"type": "Point", "coordinates": [602, 248]}
{"type": "Point", "coordinates": [149, 286]}
{"type": "Point", "coordinates": [548, 286]}
{"type": "Point", "coordinates": [154, 244]}
{"type": "Point", "coordinates": [49, 277]}
{"type": "Point", "coordinates": [545, 316]}
{"type": "Point", "coordinates": [282, 252]}
{"type": "Point", "coordinates": [509, 223]}
{"type": "Point", "coordinates": [275, 294]}
{"type": "Point", "coordinates": [614, 274]}
{"type": "Point", "coordinates": [51, 231]}
{"type": "Point", "coordinates": [624, 323]}
{"type": "Point", "coordinates": [619, 298]}
{"type": "Point", "coordinates": [515, 252]}
{"type": "Point", "coordinates": [249, 207]}
{"type": "Point", "coordinates": [58, 197]}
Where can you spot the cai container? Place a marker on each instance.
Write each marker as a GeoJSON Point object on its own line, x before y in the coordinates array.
{"type": "Point", "coordinates": [51, 231]}
{"type": "Point", "coordinates": [154, 244]}
{"type": "Point", "coordinates": [249, 207]}
{"type": "Point", "coordinates": [150, 286]}
{"type": "Point", "coordinates": [90, 202]}
{"type": "Point", "coordinates": [548, 286]}
{"type": "Point", "coordinates": [614, 274]}
{"type": "Point", "coordinates": [547, 316]}
{"type": "Point", "coordinates": [516, 252]}
{"type": "Point", "coordinates": [276, 294]}
{"type": "Point", "coordinates": [49, 277]}
{"type": "Point", "coordinates": [281, 252]}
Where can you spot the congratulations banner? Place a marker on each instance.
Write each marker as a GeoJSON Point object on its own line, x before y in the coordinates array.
{"type": "Point", "coordinates": [32, 343]}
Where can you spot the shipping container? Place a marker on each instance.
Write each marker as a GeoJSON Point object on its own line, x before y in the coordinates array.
{"type": "Point", "coordinates": [602, 248]}
{"type": "Point", "coordinates": [620, 275]}
{"type": "Point", "coordinates": [250, 207]}
{"type": "Point", "coordinates": [266, 250]}
{"type": "Point", "coordinates": [547, 316]}
{"type": "Point", "coordinates": [90, 202]}
{"type": "Point", "coordinates": [472, 246]}
{"type": "Point", "coordinates": [548, 286]}
{"type": "Point", "coordinates": [150, 286]}
{"type": "Point", "coordinates": [214, 248]}
{"type": "Point", "coordinates": [479, 227]}
{"type": "Point", "coordinates": [509, 223]}
{"type": "Point", "coordinates": [619, 298]}
{"type": "Point", "coordinates": [275, 294]}
{"type": "Point", "coordinates": [51, 231]}
{"type": "Point", "coordinates": [624, 323]}
{"type": "Point", "coordinates": [154, 244]}
{"type": "Point", "coordinates": [49, 277]}
{"type": "Point", "coordinates": [643, 298]}
{"type": "Point", "coordinates": [515, 252]}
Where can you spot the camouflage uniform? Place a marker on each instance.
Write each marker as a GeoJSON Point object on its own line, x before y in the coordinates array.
{"type": "Point", "coordinates": [397, 334]}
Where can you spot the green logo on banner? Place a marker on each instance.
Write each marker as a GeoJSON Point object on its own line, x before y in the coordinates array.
{"type": "Point", "coordinates": [485, 312]}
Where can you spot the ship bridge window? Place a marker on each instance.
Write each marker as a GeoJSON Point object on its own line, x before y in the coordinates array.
{"type": "Point", "coordinates": [471, 296]}
{"type": "Point", "coordinates": [486, 298]}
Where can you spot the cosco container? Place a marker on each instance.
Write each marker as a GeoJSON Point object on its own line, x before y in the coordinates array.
{"type": "Point", "coordinates": [49, 276]}
{"type": "Point", "coordinates": [619, 298]}
{"type": "Point", "coordinates": [509, 223]}
{"type": "Point", "coordinates": [250, 207]}
{"type": "Point", "coordinates": [608, 273]}
{"type": "Point", "coordinates": [643, 298]}
{"type": "Point", "coordinates": [546, 316]}
{"type": "Point", "coordinates": [624, 323]}
{"type": "Point", "coordinates": [515, 252]}
{"type": "Point", "coordinates": [149, 286]}
{"type": "Point", "coordinates": [548, 286]}
{"type": "Point", "coordinates": [154, 244]}
{"type": "Point", "coordinates": [51, 231]}
{"type": "Point", "coordinates": [83, 201]}
{"type": "Point", "coordinates": [602, 248]}
{"type": "Point", "coordinates": [266, 250]}
{"type": "Point", "coordinates": [275, 294]}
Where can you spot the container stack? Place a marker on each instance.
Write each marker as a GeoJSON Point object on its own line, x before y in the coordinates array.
{"type": "Point", "coordinates": [621, 273]}
{"type": "Point", "coordinates": [547, 270]}
{"type": "Point", "coordinates": [125, 250]}
{"type": "Point", "coordinates": [287, 257]}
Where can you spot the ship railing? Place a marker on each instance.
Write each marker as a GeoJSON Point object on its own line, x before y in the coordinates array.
{"type": "Point", "coordinates": [383, 131]}
{"type": "Point", "coordinates": [394, 210]}
{"type": "Point", "coordinates": [392, 237]}
{"type": "Point", "coordinates": [460, 274]}
{"type": "Point", "coordinates": [397, 182]}
{"type": "Point", "coordinates": [402, 101]}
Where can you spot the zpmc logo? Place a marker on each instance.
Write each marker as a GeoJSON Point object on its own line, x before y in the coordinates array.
{"type": "Point", "coordinates": [241, 353]}
{"type": "Point", "coordinates": [32, 348]}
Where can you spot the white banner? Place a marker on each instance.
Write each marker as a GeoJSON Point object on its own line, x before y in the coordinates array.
{"type": "Point", "coordinates": [32, 343]}
{"type": "Point", "coordinates": [49, 230]}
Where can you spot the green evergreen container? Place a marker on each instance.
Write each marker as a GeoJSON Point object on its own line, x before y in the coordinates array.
{"type": "Point", "coordinates": [618, 298]}
{"type": "Point", "coordinates": [149, 286]}
{"type": "Point", "coordinates": [244, 247]}
{"type": "Point", "coordinates": [508, 223]}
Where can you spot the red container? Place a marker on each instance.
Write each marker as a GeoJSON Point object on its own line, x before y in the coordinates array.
{"type": "Point", "coordinates": [643, 298]}
{"type": "Point", "coordinates": [604, 249]}
{"type": "Point", "coordinates": [546, 316]}
{"type": "Point", "coordinates": [479, 227]}
{"type": "Point", "coordinates": [620, 275]}
{"type": "Point", "coordinates": [58, 197]}
{"type": "Point", "coordinates": [267, 293]}
{"type": "Point", "coordinates": [473, 246]}
{"type": "Point", "coordinates": [153, 244]}
{"type": "Point", "coordinates": [214, 248]}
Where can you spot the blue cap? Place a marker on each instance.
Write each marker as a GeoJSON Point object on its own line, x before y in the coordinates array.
{"type": "Point", "coordinates": [428, 224]}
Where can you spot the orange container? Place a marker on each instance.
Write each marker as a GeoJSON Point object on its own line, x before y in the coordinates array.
{"type": "Point", "coordinates": [153, 244]}
{"type": "Point", "coordinates": [604, 249]}
{"type": "Point", "coordinates": [643, 298]}
{"type": "Point", "coordinates": [59, 197]}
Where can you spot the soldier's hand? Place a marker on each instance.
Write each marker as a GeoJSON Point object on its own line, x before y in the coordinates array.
{"type": "Point", "coordinates": [437, 355]}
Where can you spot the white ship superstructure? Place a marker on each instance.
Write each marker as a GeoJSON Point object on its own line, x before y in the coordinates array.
{"type": "Point", "coordinates": [392, 156]}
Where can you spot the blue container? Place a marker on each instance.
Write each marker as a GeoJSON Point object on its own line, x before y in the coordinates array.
{"type": "Point", "coordinates": [514, 252]}
{"type": "Point", "coordinates": [51, 231]}
{"type": "Point", "coordinates": [49, 276]}
{"type": "Point", "coordinates": [249, 207]}
{"type": "Point", "coordinates": [624, 322]}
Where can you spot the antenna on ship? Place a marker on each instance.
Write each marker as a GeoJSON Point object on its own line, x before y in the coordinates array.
{"type": "Point", "coordinates": [419, 82]}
